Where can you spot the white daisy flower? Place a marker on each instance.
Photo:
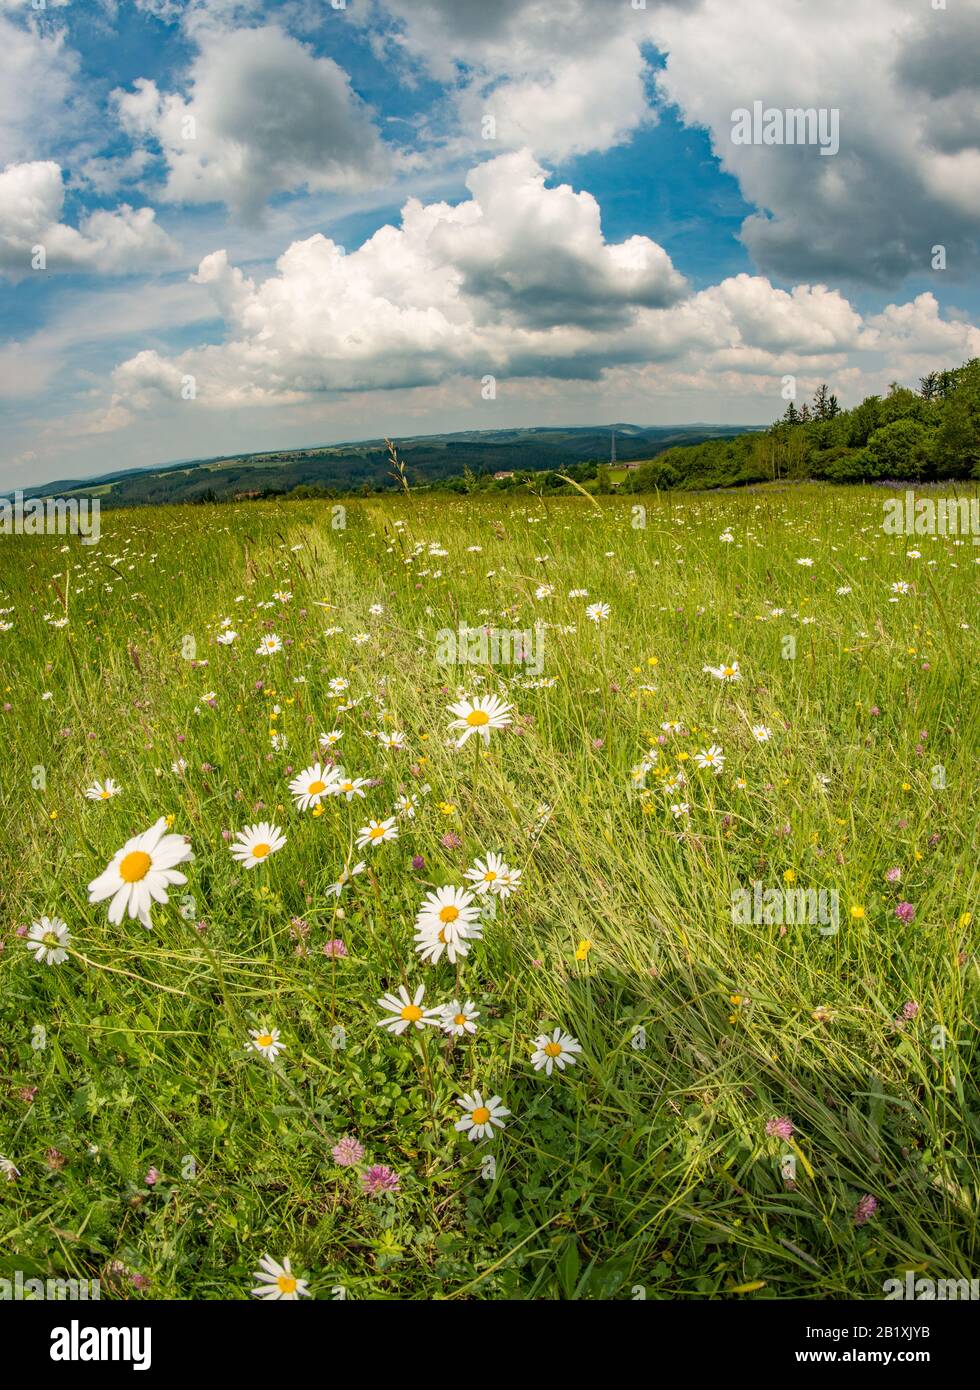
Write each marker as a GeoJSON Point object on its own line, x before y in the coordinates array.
{"type": "Point", "coordinates": [556, 1051]}
{"type": "Point", "coordinates": [140, 873]}
{"type": "Point", "coordinates": [48, 939]}
{"type": "Point", "coordinates": [406, 1011]}
{"type": "Point", "coordinates": [711, 757]}
{"type": "Point", "coordinates": [8, 1169]}
{"type": "Point", "coordinates": [598, 612]}
{"type": "Point", "coordinates": [269, 645]}
{"type": "Point", "coordinates": [450, 909]}
{"type": "Point", "coordinates": [761, 733]}
{"type": "Point", "coordinates": [277, 1282]}
{"type": "Point", "coordinates": [266, 1041]}
{"type": "Point", "coordinates": [479, 716]}
{"type": "Point", "coordinates": [226, 638]}
{"type": "Point", "coordinates": [345, 877]}
{"type": "Point", "coordinates": [377, 832]}
{"type": "Point", "coordinates": [459, 1019]}
{"type": "Point", "coordinates": [492, 875]}
{"type": "Point", "coordinates": [103, 791]}
{"type": "Point", "coordinates": [348, 787]}
{"type": "Point", "coordinates": [724, 673]}
{"type": "Point", "coordinates": [331, 739]}
{"type": "Point", "coordinates": [480, 1118]}
{"type": "Point", "coordinates": [255, 843]}
{"type": "Point", "coordinates": [312, 785]}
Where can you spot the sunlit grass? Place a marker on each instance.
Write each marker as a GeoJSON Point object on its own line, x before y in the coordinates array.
{"type": "Point", "coordinates": [645, 1166]}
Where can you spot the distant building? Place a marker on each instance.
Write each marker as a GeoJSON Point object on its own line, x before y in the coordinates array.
{"type": "Point", "coordinates": [498, 476]}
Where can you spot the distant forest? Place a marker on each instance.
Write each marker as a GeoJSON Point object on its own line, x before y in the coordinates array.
{"type": "Point", "coordinates": [907, 435]}
{"type": "Point", "coordinates": [929, 434]}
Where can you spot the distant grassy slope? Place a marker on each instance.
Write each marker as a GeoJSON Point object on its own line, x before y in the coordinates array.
{"type": "Point", "coordinates": [347, 467]}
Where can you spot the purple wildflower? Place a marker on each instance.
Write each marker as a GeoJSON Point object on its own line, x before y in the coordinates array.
{"type": "Point", "coordinates": [865, 1209]}
{"type": "Point", "coordinates": [380, 1178]}
{"type": "Point", "coordinates": [348, 1152]}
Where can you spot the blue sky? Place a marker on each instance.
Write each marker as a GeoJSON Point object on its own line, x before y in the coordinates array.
{"type": "Point", "coordinates": [244, 225]}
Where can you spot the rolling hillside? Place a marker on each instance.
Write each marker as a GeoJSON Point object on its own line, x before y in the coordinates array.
{"type": "Point", "coordinates": [365, 464]}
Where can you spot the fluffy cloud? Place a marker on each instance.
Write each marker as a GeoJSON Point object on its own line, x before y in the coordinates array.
{"type": "Point", "coordinates": [31, 202]}
{"type": "Point", "coordinates": [569, 76]}
{"type": "Point", "coordinates": [462, 292]}
{"type": "Point", "coordinates": [562, 76]}
{"type": "Point", "coordinates": [263, 115]}
{"type": "Point", "coordinates": [37, 71]}
{"type": "Point", "coordinates": [908, 173]}
{"type": "Point", "coordinates": [518, 276]}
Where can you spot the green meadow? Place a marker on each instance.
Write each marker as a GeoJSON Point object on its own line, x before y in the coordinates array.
{"type": "Point", "coordinates": [761, 1108]}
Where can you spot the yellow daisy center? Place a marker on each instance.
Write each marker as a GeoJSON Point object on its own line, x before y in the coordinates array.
{"type": "Point", "coordinates": [264, 1040]}
{"type": "Point", "coordinates": [50, 938]}
{"type": "Point", "coordinates": [411, 1013]}
{"type": "Point", "coordinates": [377, 832]}
{"type": "Point", "coordinates": [104, 796]}
{"type": "Point", "coordinates": [260, 851]}
{"type": "Point", "coordinates": [135, 866]}
{"type": "Point", "coordinates": [315, 788]}
{"type": "Point", "coordinates": [287, 1284]}
{"type": "Point", "coordinates": [448, 914]}
{"type": "Point", "coordinates": [460, 1019]}
{"type": "Point", "coordinates": [552, 1049]}
{"type": "Point", "coordinates": [480, 1115]}
{"type": "Point", "coordinates": [477, 717]}
{"type": "Point", "coordinates": [489, 876]}
{"type": "Point", "coordinates": [442, 935]}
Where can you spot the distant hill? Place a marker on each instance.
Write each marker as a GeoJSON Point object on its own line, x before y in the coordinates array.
{"type": "Point", "coordinates": [365, 464]}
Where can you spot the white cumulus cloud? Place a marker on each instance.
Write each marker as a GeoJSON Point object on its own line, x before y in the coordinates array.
{"type": "Point", "coordinates": [263, 116]}
{"type": "Point", "coordinates": [32, 199]}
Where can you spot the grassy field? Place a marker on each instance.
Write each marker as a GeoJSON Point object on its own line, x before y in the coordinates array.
{"type": "Point", "coordinates": [758, 1110]}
